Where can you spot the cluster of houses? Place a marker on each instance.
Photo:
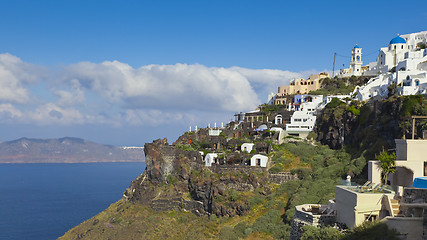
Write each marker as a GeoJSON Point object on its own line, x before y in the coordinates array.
{"type": "Point", "coordinates": [403, 62]}
{"type": "Point", "coordinates": [401, 203]}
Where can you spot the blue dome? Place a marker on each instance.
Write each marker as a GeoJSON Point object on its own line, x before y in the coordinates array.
{"type": "Point", "coordinates": [356, 46]}
{"type": "Point", "coordinates": [397, 39]}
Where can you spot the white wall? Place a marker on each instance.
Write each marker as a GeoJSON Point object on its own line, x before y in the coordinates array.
{"type": "Point", "coordinates": [247, 147]}
{"type": "Point", "coordinates": [261, 158]}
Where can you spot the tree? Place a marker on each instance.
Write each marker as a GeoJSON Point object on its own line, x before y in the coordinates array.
{"type": "Point", "coordinates": [388, 163]}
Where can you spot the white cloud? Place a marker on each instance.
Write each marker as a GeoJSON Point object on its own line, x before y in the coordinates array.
{"type": "Point", "coordinates": [9, 112]}
{"type": "Point", "coordinates": [75, 96]}
{"type": "Point", "coordinates": [139, 117]}
{"type": "Point", "coordinates": [116, 94]}
{"type": "Point", "coordinates": [52, 114]}
{"type": "Point", "coordinates": [179, 86]}
{"type": "Point", "coordinates": [14, 73]}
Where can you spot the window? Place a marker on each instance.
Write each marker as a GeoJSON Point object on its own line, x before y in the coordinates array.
{"type": "Point", "coordinates": [370, 218]}
{"type": "Point", "coordinates": [297, 119]}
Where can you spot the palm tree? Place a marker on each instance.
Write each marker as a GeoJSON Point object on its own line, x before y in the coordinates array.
{"type": "Point", "coordinates": [388, 163]}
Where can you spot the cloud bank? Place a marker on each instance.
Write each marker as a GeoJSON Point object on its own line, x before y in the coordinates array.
{"type": "Point", "coordinates": [118, 94]}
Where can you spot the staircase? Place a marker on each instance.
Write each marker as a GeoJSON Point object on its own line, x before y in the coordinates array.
{"type": "Point", "coordinates": [395, 208]}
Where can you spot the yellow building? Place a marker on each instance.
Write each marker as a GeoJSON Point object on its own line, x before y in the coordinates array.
{"type": "Point", "coordinates": [300, 86]}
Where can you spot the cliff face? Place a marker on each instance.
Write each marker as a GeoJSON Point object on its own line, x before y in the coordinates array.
{"type": "Point", "coordinates": [175, 178]}
{"type": "Point", "coordinates": [371, 126]}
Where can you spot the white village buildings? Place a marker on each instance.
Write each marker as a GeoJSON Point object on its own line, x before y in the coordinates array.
{"type": "Point", "coordinates": [259, 160]}
{"type": "Point", "coordinates": [403, 62]}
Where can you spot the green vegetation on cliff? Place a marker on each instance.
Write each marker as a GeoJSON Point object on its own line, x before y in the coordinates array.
{"type": "Point", "coordinates": [235, 201]}
{"type": "Point", "coordinates": [336, 86]}
{"type": "Point", "coordinates": [271, 206]}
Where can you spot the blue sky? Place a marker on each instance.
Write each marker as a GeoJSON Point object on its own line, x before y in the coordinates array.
{"type": "Point", "coordinates": [127, 72]}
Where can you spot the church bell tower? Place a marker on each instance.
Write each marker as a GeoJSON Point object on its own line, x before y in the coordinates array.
{"type": "Point", "coordinates": [356, 61]}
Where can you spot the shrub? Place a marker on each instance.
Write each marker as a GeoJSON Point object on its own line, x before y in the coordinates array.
{"type": "Point", "coordinates": [227, 233]}
{"type": "Point", "coordinates": [276, 169]}
{"type": "Point", "coordinates": [240, 229]}
{"type": "Point", "coordinates": [353, 110]}
{"type": "Point", "coordinates": [315, 233]}
{"type": "Point", "coordinates": [372, 230]}
{"type": "Point", "coordinates": [233, 195]}
{"type": "Point", "coordinates": [335, 102]}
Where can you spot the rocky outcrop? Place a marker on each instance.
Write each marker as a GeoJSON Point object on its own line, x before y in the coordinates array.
{"type": "Point", "coordinates": [372, 126]}
{"type": "Point", "coordinates": [177, 179]}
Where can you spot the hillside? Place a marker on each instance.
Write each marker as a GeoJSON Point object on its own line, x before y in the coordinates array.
{"type": "Point", "coordinates": [178, 197]}
{"type": "Point", "coordinates": [65, 150]}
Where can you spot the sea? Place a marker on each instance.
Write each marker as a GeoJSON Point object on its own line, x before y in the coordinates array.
{"type": "Point", "coordinates": [43, 201]}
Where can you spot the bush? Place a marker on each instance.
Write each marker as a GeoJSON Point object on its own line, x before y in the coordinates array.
{"type": "Point", "coordinates": [276, 169]}
{"type": "Point", "coordinates": [335, 102]}
{"type": "Point", "coordinates": [302, 172]}
{"type": "Point", "coordinates": [315, 233]}
{"type": "Point", "coordinates": [272, 223]}
{"type": "Point", "coordinates": [227, 233]}
{"type": "Point", "coordinates": [240, 229]}
{"type": "Point", "coordinates": [353, 110]}
{"type": "Point", "coordinates": [372, 230]}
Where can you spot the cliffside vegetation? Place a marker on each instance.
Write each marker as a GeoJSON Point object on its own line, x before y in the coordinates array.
{"type": "Point", "coordinates": [178, 198]}
{"type": "Point", "coordinates": [339, 86]}
{"type": "Point", "coordinates": [270, 206]}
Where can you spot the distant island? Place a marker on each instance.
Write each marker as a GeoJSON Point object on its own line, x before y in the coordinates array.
{"type": "Point", "coordinates": [66, 150]}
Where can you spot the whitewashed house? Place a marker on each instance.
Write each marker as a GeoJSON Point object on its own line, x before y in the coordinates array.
{"type": "Point", "coordinates": [211, 158]}
{"type": "Point", "coordinates": [259, 160]}
{"type": "Point", "coordinates": [247, 147]}
{"type": "Point", "coordinates": [403, 62]}
{"type": "Point", "coordinates": [302, 122]}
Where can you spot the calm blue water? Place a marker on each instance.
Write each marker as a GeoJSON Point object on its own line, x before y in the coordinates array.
{"type": "Point", "coordinates": [43, 201]}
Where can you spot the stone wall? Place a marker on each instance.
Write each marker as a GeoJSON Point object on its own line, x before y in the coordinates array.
{"type": "Point", "coordinates": [414, 195]}
{"type": "Point", "coordinates": [235, 168]}
{"type": "Point", "coordinates": [417, 196]}
{"type": "Point", "coordinates": [178, 203]}
{"type": "Point", "coordinates": [279, 178]}
{"type": "Point", "coordinates": [302, 218]}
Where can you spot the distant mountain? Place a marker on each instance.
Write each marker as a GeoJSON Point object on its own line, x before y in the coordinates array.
{"type": "Point", "coordinates": [65, 150]}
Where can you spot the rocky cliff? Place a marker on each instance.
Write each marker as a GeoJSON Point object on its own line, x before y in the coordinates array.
{"type": "Point", "coordinates": [370, 126]}
{"type": "Point", "coordinates": [176, 178]}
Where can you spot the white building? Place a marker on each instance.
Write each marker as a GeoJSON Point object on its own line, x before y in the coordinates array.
{"type": "Point", "coordinates": [302, 122]}
{"type": "Point", "coordinates": [304, 117]}
{"type": "Point", "coordinates": [410, 160]}
{"type": "Point", "coordinates": [247, 147]}
{"type": "Point", "coordinates": [400, 48]}
{"type": "Point", "coordinates": [355, 63]}
{"type": "Point", "coordinates": [259, 160]}
{"type": "Point", "coordinates": [403, 62]}
{"type": "Point", "coordinates": [211, 158]}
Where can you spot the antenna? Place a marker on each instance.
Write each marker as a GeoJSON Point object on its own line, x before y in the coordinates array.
{"type": "Point", "coordinates": [333, 67]}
